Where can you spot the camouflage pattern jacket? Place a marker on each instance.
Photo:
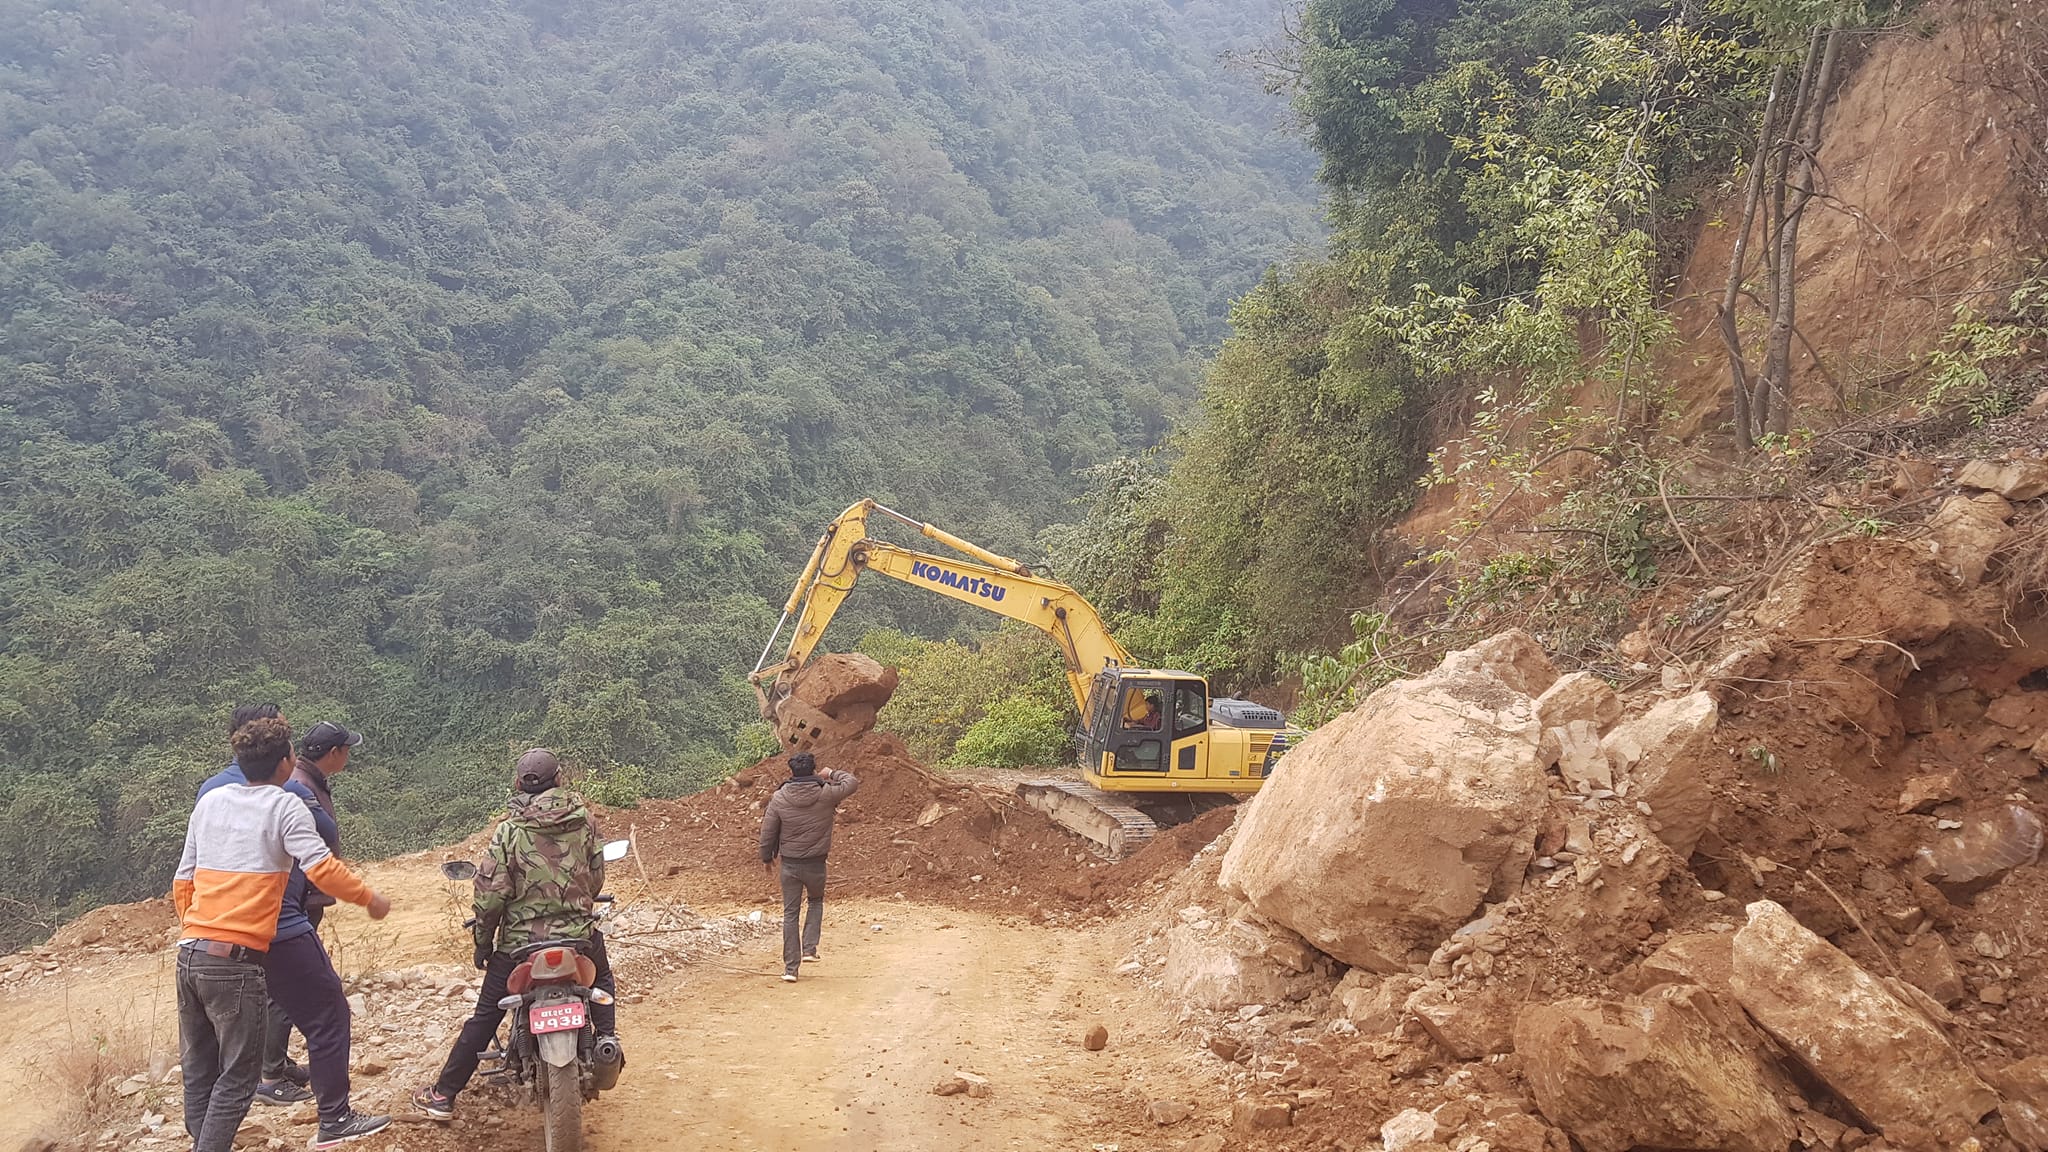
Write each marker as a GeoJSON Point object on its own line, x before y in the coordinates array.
{"type": "Point", "coordinates": [541, 877]}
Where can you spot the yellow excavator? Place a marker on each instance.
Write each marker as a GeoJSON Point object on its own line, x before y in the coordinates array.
{"type": "Point", "coordinates": [1155, 747]}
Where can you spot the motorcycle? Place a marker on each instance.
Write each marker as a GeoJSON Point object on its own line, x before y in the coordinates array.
{"type": "Point", "coordinates": [552, 1049]}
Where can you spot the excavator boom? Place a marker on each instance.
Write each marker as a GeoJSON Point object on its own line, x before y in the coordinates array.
{"type": "Point", "coordinates": [985, 579]}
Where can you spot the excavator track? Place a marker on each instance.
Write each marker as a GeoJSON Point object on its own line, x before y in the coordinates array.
{"type": "Point", "coordinates": [1112, 828]}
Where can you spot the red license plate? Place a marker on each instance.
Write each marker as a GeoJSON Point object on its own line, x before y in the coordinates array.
{"type": "Point", "coordinates": [547, 1018]}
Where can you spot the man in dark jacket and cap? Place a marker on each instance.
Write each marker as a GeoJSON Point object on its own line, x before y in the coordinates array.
{"type": "Point", "coordinates": [798, 828]}
{"type": "Point", "coordinates": [539, 881]}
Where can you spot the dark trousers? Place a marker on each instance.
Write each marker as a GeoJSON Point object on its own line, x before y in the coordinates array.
{"type": "Point", "coordinates": [277, 1034]}
{"type": "Point", "coordinates": [303, 982]}
{"type": "Point", "coordinates": [801, 878]}
{"type": "Point", "coordinates": [221, 1013]}
{"type": "Point", "coordinates": [482, 1026]}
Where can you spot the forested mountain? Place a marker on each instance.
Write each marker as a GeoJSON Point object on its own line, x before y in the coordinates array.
{"type": "Point", "coordinates": [478, 372]}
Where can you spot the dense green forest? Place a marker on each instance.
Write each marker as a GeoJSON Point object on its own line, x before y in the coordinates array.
{"type": "Point", "coordinates": [479, 372]}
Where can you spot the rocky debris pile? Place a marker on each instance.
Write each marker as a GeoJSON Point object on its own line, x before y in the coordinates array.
{"type": "Point", "coordinates": [1499, 907]}
{"type": "Point", "coordinates": [908, 831]}
{"type": "Point", "coordinates": [111, 930]}
{"type": "Point", "coordinates": [833, 700]}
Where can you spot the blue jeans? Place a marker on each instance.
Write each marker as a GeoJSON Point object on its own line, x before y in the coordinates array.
{"type": "Point", "coordinates": [222, 1009]}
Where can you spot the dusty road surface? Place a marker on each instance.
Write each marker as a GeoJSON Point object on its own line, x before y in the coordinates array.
{"type": "Point", "coordinates": [722, 1054]}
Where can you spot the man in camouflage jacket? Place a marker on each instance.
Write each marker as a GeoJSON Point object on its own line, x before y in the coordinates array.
{"type": "Point", "coordinates": [538, 881]}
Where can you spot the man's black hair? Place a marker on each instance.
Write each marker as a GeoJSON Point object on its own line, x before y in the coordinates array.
{"type": "Point", "coordinates": [244, 713]}
{"type": "Point", "coordinates": [263, 747]}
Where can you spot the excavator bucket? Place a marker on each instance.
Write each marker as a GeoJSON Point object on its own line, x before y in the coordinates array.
{"type": "Point", "coordinates": [831, 700]}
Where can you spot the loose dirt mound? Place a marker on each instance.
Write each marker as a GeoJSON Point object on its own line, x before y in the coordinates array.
{"type": "Point", "coordinates": [907, 831]}
{"type": "Point", "coordinates": [140, 927]}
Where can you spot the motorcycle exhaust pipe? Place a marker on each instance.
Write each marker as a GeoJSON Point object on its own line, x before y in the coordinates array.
{"type": "Point", "coordinates": [607, 1060]}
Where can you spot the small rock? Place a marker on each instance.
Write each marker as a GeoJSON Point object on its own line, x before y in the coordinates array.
{"type": "Point", "coordinates": [1225, 1047]}
{"type": "Point", "coordinates": [2024, 1085]}
{"type": "Point", "coordinates": [1407, 1129]}
{"type": "Point", "coordinates": [371, 1068]}
{"type": "Point", "coordinates": [1165, 1112]}
{"type": "Point", "coordinates": [132, 1085]}
{"type": "Point", "coordinates": [1926, 964]}
{"type": "Point", "coordinates": [358, 1004]}
{"type": "Point", "coordinates": [962, 1083]}
{"type": "Point", "coordinates": [1096, 1039]}
{"type": "Point", "coordinates": [1261, 1115]}
{"type": "Point", "coordinates": [1923, 794]}
{"type": "Point", "coordinates": [2014, 480]}
{"type": "Point", "coordinates": [1982, 852]}
{"type": "Point", "coordinates": [1209, 1143]}
{"type": "Point", "coordinates": [1992, 994]}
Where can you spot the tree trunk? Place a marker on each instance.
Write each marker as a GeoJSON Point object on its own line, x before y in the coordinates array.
{"type": "Point", "coordinates": [1776, 412]}
{"type": "Point", "coordinates": [1738, 264]}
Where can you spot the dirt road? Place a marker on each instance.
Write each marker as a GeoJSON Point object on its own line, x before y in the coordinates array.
{"type": "Point", "coordinates": [724, 1056]}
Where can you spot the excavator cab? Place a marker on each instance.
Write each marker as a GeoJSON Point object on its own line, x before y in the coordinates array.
{"type": "Point", "coordinates": [1146, 724]}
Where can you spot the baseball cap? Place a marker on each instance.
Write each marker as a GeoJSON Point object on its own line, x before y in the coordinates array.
{"type": "Point", "coordinates": [537, 767]}
{"type": "Point", "coordinates": [325, 737]}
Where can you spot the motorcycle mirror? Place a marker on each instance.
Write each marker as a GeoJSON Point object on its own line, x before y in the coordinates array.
{"type": "Point", "coordinates": [458, 870]}
{"type": "Point", "coordinates": [616, 851]}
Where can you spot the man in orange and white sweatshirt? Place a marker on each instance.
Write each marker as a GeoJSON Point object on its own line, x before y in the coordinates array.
{"type": "Point", "coordinates": [240, 847]}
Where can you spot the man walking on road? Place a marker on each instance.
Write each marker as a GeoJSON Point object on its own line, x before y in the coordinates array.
{"type": "Point", "coordinates": [240, 848]}
{"type": "Point", "coordinates": [798, 828]}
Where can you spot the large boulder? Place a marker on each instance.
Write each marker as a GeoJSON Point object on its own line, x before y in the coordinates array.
{"type": "Point", "coordinates": [1677, 1070]}
{"type": "Point", "coordinates": [1392, 824]}
{"type": "Point", "coordinates": [1879, 1055]}
{"type": "Point", "coordinates": [1664, 753]}
{"type": "Point", "coordinates": [839, 680]}
{"type": "Point", "coordinates": [833, 700]}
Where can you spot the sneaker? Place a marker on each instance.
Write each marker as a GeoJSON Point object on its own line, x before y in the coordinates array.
{"type": "Point", "coordinates": [434, 1104]}
{"type": "Point", "coordinates": [789, 977]}
{"type": "Point", "coordinates": [297, 1074]}
{"type": "Point", "coordinates": [281, 1093]}
{"type": "Point", "coordinates": [810, 957]}
{"type": "Point", "coordinates": [353, 1126]}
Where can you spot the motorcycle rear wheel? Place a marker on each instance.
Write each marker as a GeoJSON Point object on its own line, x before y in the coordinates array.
{"type": "Point", "coordinates": [561, 1105]}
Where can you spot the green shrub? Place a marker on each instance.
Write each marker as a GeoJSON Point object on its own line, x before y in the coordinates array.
{"type": "Point", "coordinates": [1017, 732]}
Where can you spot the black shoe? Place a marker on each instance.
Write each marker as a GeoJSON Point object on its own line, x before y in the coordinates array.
{"type": "Point", "coordinates": [434, 1104]}
{"type": "Point", "coordinates": [353, 1126]}
{"type": "Point", "coordinates": [296, 1073]}
{"type": "Point", "coordinates": [281, 1093]}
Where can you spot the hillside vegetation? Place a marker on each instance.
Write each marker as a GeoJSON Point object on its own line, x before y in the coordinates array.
{"type": "Point", "coordinates": [1516, 188]}
{"type": "Point", "coordinates": [479, 373]}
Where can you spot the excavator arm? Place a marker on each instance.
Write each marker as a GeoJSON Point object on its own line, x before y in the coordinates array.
{"type": "Point", "coordinates": [985, 579]}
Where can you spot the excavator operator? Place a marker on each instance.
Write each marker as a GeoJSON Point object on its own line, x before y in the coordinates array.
{"type": "Point", "coordinates": [1141, 710]}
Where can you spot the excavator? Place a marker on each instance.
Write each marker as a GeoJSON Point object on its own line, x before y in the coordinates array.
{"type": "Point", "coordinates": [1155, 747]}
